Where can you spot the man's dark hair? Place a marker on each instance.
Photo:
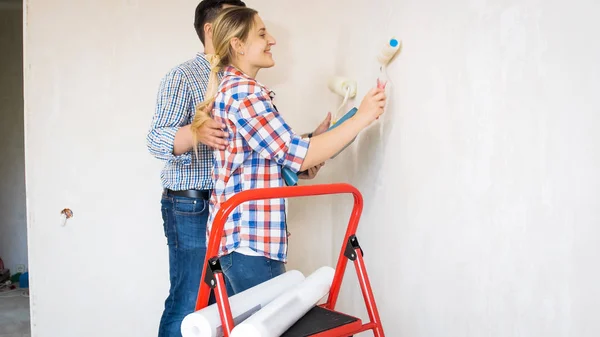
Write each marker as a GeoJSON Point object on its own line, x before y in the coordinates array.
{"type": "Point", "coordinates": [208, 10]}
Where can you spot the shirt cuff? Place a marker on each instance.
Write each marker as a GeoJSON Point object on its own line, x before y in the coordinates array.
{"type": "Point", "coordinates": [184, 158]}
{"type": "Point", "coordinates": [296, 153]}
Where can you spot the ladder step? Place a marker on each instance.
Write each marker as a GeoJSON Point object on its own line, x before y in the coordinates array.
{"type": "Point", "coordinates": [319, 320]}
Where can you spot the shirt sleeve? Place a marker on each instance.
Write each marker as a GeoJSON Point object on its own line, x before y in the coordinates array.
{"type": "Point", "coordinates": [172, 112]}
{"type": "Point", "coordinates": [259, 123]}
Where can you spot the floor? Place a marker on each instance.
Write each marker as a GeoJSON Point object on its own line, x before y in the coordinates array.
{"type": "Point", "coordinates": [14, 313]}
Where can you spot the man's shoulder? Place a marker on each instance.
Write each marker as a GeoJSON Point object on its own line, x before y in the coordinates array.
{"type": "Point", "coordinates": [188, 70]}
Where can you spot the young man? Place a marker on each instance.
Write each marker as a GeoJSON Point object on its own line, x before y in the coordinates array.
{"type": "Point", "coordinates": [186, 178]}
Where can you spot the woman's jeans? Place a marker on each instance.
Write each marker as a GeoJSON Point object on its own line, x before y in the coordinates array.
{"type": "Point", "coordinates": [243, 271]}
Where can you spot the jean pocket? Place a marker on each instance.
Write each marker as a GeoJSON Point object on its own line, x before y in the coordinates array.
{"type": "Point", "coordinates": [187, 206]}
{"type": "Point", "coordinates": [165, 217]}
{"type": "Point", "coordinates": [225, 262]}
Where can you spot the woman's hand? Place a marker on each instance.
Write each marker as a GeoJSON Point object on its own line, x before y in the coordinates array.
{"type": "Point", "coordinates": [311, 172]}
{"type": "Point", "coordinates": [371, 106]}
{"type": "Point", "coordinates": [324, 126]}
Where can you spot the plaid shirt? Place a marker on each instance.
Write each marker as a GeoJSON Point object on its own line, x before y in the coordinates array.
{"type": "Point", "coordinates": [260, 143]}
{"type": "Point", "coordinates": [180, 91]}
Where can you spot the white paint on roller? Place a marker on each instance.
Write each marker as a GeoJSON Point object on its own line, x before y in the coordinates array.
{"type": "Point", "coordinates": [207, 322]}
{"type": "Point", "coordinates": [342, 86]}
{"type": "Point", "coordinates": [284, 311]}
{"type": "Point", "coordinates": [390, 49]}
{"type": "Point", "coordinates": [345, 88]}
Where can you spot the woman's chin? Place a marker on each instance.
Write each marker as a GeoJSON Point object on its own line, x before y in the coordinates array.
{"type": "Point", "coordinates": [269, 64]}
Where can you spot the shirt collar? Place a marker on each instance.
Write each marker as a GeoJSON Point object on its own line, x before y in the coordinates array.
{"type": "Point", "coordinates": [201, 57]}
{"type": "Point", "coordinates": [233, 71]}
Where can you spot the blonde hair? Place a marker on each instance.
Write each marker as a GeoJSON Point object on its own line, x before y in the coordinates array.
{"type": "Point", "coordinates": [233, 22]}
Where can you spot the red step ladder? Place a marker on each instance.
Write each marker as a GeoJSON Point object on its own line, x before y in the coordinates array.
{"type": "Point", "coordinates": [322, 320]}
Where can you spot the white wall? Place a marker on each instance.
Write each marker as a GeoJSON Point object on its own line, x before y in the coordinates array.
{"type": "Point", "coordinates": [480, 187]}
{"type": "Point", "coordinates": [91, 79]}
{"type": "Point", "coordinates": [13, 224]}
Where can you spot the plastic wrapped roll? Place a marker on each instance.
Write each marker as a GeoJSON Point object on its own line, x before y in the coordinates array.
{"type": "Point", "coordinates": [284, 311]}
{"type": "Point", "coordinates": [207, 322]}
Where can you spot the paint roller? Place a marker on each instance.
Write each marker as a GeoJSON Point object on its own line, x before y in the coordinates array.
{"type": "Point", "coordinates": [385, 56]}
{"type": "Point", "coordinates": [343, 87]}
{"type": "Point", "coordinates": [285, 310]}
{"type": "Point", "coordinates": [206, 322]}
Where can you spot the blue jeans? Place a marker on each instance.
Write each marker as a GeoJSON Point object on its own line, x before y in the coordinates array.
{"type": "Point", "coordinates": [184, 221]}
{"type": "Point", "coordinates": [243, 271]}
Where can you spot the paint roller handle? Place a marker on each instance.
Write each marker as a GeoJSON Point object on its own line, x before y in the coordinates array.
{"type": "Point", "coordinates": [289, 177]}
{"type": "Point", "coordinates": [381, 84]}
{"type": "Point", "coordinates": [373, 104]}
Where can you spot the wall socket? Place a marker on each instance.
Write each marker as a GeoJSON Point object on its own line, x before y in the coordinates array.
{"type": "Point", "coordinates": [20, 268]}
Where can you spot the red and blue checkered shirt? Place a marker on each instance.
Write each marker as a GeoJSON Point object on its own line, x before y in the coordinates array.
{"type": "Point", "coordinates": [260, 143]}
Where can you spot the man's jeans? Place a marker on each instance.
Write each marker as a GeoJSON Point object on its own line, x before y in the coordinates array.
{"type": "Point", "coordinates": [243, 272]}
{"type": "Point", "coordinates": [184, 221]}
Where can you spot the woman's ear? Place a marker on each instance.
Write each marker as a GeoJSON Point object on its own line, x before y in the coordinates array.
{"type": "Point", "coordinates": [237, 45]}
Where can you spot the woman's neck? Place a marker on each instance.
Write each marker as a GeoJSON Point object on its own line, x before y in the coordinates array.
{"type": "Point", "coordinates": [246, 69]}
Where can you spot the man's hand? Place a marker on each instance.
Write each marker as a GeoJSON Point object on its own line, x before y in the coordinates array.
{"type": "Point", "coordinates": [211, 134]}
{"type": "Point", "coordinates": [323, 126]}
{"type": "Point", "coordinates": [311, 172]}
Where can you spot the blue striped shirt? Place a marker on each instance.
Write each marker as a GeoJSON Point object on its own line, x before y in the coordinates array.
{"type": "Point", "coordinates": [180, 91]}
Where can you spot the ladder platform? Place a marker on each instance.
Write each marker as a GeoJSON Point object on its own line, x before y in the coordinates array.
{"type": "Point", "coordinates": [320, 321]}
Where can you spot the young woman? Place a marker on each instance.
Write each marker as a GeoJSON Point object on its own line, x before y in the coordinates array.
{"type": "Point", "coordinates": [254, 245]}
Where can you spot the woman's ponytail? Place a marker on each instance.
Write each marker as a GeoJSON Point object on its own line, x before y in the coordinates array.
{"type": "Point", "coordinates": [204, 109]}
{"type": "Point", "coordinates": [233, 22]}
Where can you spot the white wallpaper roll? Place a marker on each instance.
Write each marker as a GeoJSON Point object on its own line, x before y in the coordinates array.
{"type": "Point", "coordinates": [207, 322]}
{"type": "Point", "coordinates": [279, 315]}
